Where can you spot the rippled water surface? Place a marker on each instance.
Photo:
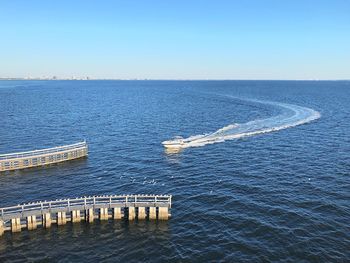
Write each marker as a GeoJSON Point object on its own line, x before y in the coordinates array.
{"type": "Point", "coordinates": [275, 196]}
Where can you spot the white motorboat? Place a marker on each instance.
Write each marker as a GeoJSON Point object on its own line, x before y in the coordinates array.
{"type": "Point", "coordinates": [177, 142]}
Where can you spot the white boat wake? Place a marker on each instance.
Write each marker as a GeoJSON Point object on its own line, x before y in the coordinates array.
{"type": "Point", "coordinates": [291, 116]}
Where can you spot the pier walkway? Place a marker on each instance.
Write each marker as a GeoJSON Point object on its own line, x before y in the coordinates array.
{"type": "Point", "coordinates": [14, 161]}
{"type": "Point", "coordinates": [46, 213]}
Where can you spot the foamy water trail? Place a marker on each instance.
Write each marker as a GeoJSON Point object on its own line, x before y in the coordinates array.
{"type": "Point", "coordinates": [290, 116]}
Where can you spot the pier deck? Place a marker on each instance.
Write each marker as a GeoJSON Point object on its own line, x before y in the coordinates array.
{"type": "Point", "coordinates": [45, 213]}
{"type": "Point", "coordinates": [14, 161]}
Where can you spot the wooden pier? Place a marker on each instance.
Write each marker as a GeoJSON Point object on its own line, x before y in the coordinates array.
{"type": "Point", "coordinates": [14, 161]}
{"type": "Point", "coordinates": [59, 212]}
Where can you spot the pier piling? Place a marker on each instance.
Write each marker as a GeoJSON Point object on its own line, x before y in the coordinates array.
{"type": "Point", "coordinates": [103, 213]}
{"type": "Point", "coordinates": [89, 215]}
{"type": "Point", "coordinates": [131, 213]}
{"type": "Point", "coordinates": [31, 222]}
{"type": "Point", "coordinates": [76, 216]}
{"type": "Point", "coordinates": [141, 213]}
{"type": "Point", "coordinates": [61, 218]}
{"type": "Point", "coordinates": [46, 220]}
{"type": "Point", "coordinates": [152, 213]}
{"type": "Point", "coordinates": [16, 225]}
{"type": "Point", "coordinates": [163, 213]}
{"type": "Point", "coordinates": [117, 213]}
{"type": "Point", "coordinates": [2, 227]}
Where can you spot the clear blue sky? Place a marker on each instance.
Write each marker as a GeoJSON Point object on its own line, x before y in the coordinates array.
{"type": "Point", "coordinates": [242, 39]}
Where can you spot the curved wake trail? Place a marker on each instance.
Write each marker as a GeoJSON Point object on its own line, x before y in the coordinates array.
{"type": "Point", "coordinates": [291, 116]}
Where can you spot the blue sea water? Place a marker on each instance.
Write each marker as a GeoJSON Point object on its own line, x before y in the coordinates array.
{"type": "Point", "coordinates": [281, 196]}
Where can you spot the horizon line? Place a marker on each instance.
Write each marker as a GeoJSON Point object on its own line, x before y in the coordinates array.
{"type": "Point", "coordinates": [165, 79]}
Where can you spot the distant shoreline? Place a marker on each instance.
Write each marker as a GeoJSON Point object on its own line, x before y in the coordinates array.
{"type": "Point", "coordinates": [109, 79]}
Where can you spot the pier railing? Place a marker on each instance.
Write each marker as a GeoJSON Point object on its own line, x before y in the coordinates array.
{"type": "Point", "coordinates": [84, 203]}
{"type": "Point", "coordinates": [13, 161]}
{"type": "Point", "coordinates": [103, 207]}
{"type": "Point", "coordinates": [43, 151]}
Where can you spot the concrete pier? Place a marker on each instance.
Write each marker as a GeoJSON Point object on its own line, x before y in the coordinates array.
{"type": "Point", "coordinates": [75, 216]}
{"type": "Point", "coordinates": [103, 213]}
{"type": "Point", "coordinates": [141, 215]}
{"type": "Point", "coordinates": [117, 213]}
{"type": "Point", "coordinates": [61, 218]}
{"type": "Point", "coordinates": [163, 213]}
{"type": "Point", "coordinates": [44, 214]}
{"type": "Point", "coordinates": [16, 225]}
{"type": "Point", "coordinates": [152, 213]}
{"type": "Point", "coordinates": [15, 161]}
{"type": "Point", "coordinates": [31, 222]}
